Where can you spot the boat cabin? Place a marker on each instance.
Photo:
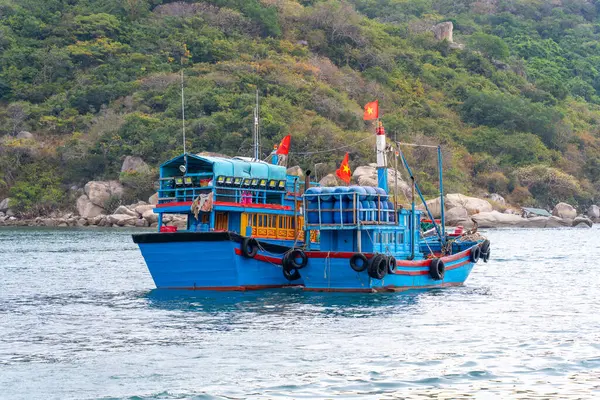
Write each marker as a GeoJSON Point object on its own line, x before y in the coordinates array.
{"type": "Point", "coordinates": [249, 197]}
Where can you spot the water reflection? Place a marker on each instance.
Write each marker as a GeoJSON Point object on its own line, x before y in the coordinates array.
{"type": "Point", "coordinates": [286, 301]}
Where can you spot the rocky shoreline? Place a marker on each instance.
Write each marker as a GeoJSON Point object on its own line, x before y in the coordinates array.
{"type": "Point", "coordinates": [460, 211]}
{"type": "Point", "coordinates": [468, 211]}
{"type": "Point", "coordinates": [493, 212]}
{"type": "Point", "coordinates": [139, 215]}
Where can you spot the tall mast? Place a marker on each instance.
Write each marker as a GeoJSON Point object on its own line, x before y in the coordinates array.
{"type": "Point", "coordinates": [182, 110]}
{"type": "Point", "coordinates": [256, 130]}
{"type": "Point", "coordinates": [382, 173]}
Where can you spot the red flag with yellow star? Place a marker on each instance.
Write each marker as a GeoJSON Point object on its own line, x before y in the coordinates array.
{"type": "Point", "coordinates": [344, 172]}
{"type": "Point", "coordinates": [284, 146]}
{"type": "Point", "coordinates": [371, 110]}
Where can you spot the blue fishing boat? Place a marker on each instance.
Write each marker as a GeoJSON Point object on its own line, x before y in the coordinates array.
{"type": "Point", "coordinates": [252, 226]}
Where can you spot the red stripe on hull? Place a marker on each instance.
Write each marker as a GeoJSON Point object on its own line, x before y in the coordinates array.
{"type": "Point", "coordinates": [414, 273]}
{"type": "Point", "coordinates": [400, 263]}
{"type": "Point", "coordinates": [260, 257]}
{"type": "Point", "coordinates": [333, 254]}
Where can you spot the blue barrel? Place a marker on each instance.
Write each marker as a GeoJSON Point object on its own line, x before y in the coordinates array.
{"type": "Point", "coordinates": [361, 192]}
{"type": "Point", "coordinates": [350, 214]}
{"type": "Point", "coordinates": [326, 214]}
{"type": "Point", "coordinates": [370, 192]}
{"type": "Point", "coordinates": [312, 216]}
{"type": "Point", "coordinates": [341, 193]}
{"type": "Point", "coordinates": [312, 190]}
{"type": "Point", "coordinates": [373, 211]}
{"type": "Point", "coordinates": [383, 211]}
{"type": "Point", "coordinates": [392, 217]}
{"type": "Point", "coordinates": [364, 215]}
{"type": "Point", "coordinates": [381, 194]}
{"type": "Point", "coordinates": [338, 216]}
{"type": "Point", "coordinates": [326, 194]}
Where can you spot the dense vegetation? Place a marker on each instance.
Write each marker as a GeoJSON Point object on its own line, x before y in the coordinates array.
{"type": "Point", "coordinates": [516, 109]}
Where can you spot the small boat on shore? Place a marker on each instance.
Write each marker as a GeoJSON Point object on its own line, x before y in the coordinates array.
{"type": "Point", "coordinates": [251, 226]}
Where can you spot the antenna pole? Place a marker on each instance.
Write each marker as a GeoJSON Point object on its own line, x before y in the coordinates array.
{"type": "Point", "coordinates": [182, 110]}
{"type": "Point", "coordinates": [256, 131]}
{"type": "Point", "coordinates": [396, 173]}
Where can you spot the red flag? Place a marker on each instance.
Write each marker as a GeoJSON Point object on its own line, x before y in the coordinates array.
{"type": "Point", "coordinates": [284, 146]}
{"type": "Point", "coordinates": [344, 172]}
{"type": "Point", "coordinates": [371, 110]}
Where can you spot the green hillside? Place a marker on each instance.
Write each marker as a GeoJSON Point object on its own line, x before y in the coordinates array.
{"type": "Point", "coordinates": [516, 108]}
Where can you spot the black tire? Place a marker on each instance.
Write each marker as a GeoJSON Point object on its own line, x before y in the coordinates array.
{"type": "Point", "coordinates": [249, 247]}
{"type": "Point", "coordinates": [391, 265]}
{"type": "Point", "coordinates": [293, 255]}
{"type": "Point", "coordinates": [291, 274]}
{"type": "Point", "coordinates": [485, 246]}
{"type": "Point", "coordinates": [485, 250]}
{"type": "Point", "coordinates": [485, 257]}
{"type": "Point", "coordinates": [437, 269]}
{"type": "Point", "coordinates": [359, 262]}
{"type": "Point", "coordinates": [377, 268]}
{"type": "Point", "coordinates": [475, 254]}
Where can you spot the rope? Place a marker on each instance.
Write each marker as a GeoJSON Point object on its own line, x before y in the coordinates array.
{"type": "Point", "coordinates": [334, 149]}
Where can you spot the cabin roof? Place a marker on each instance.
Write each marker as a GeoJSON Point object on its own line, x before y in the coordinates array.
{"type": "Point", "coordinates": [236, 167]}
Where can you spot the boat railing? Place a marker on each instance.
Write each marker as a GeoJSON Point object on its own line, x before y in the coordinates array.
{"type": "Point", "coordinates": [336, 211]}
{"type": "Point", "coordinates": [223, 193]}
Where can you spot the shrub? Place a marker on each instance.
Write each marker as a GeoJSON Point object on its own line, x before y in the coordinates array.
{"type": "Point", "coordinates": [138, 185]}
{"type": "Point", "coordinates": [112, 203]}
{"type": "Point", "coordinates": [37, 192]}
{"type": "Point", "coordinates": [550, 185]}
{"type": "Point", "coordinates": [521, 196]}
{"type": "Point", "coordinates": [494, 182]}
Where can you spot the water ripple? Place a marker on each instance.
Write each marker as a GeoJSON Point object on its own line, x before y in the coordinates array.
{"type": "Point", "coordinates": [79, 320]}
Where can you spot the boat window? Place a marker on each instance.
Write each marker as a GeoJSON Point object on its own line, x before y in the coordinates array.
{"type": "Point", "coordinates": [273, 226]}
{"type": "Point", "coordinates": [221, 221]}
{"type": "Point", "coordinates": [400, 237]}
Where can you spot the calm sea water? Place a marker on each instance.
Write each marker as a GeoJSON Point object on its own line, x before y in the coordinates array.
{"type": "Point", "coordinates": [79, 320]}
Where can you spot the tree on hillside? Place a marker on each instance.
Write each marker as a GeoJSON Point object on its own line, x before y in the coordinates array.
{"type": "Point", "coordinates": [491, 46]}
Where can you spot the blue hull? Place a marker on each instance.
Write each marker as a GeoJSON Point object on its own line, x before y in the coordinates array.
{"type": "Point", "coordinates": [213, 262]}
{"type": "Point", "coordinates": [335, 274]}
{"type": "Point", "coordinates": [211, 265]}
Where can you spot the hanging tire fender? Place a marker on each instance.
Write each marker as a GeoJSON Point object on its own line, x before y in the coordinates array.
{"type": "Point", "coordinates": [292, 257]}
{"type": "Point", "coordinates": [249, 247]}
{"type": "Point", "coordinates": [291, 274]}
{"type": "Point", "coordinates": [485, 250]}
{"type": "Point", "coordinates": [377, 268]}
{"type": "Point", "coordinates": [437, 269]}
{"type": "Point", "coordinates": [392, 265]}
{"type": "Point", "coordinates": [359, 262]}
{"type": "Point", "coordinates": [475, 254]}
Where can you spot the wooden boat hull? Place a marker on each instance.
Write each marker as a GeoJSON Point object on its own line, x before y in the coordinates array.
{"type": "Point", "coordinates": [214, 261]}
{"type": "Point", "coordinates": [326, 273]}
{"type": "Point", "coordinates": [209, 261]}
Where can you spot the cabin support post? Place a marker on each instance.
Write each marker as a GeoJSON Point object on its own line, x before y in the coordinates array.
{"type": "Point", "coordinates": [412, 220]}
{"type": "Point", "coordinates": [382, 172]}
{"type": "Point", "coordinates": [442, 216]}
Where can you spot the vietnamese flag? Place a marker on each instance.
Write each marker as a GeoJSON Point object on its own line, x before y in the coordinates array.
{"type": "Point", "coordinates": [371, 110]}
{"type": "Point", "coordinates": [284, 146]}
{"type": "Point", "coordinates": [343, 172]}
